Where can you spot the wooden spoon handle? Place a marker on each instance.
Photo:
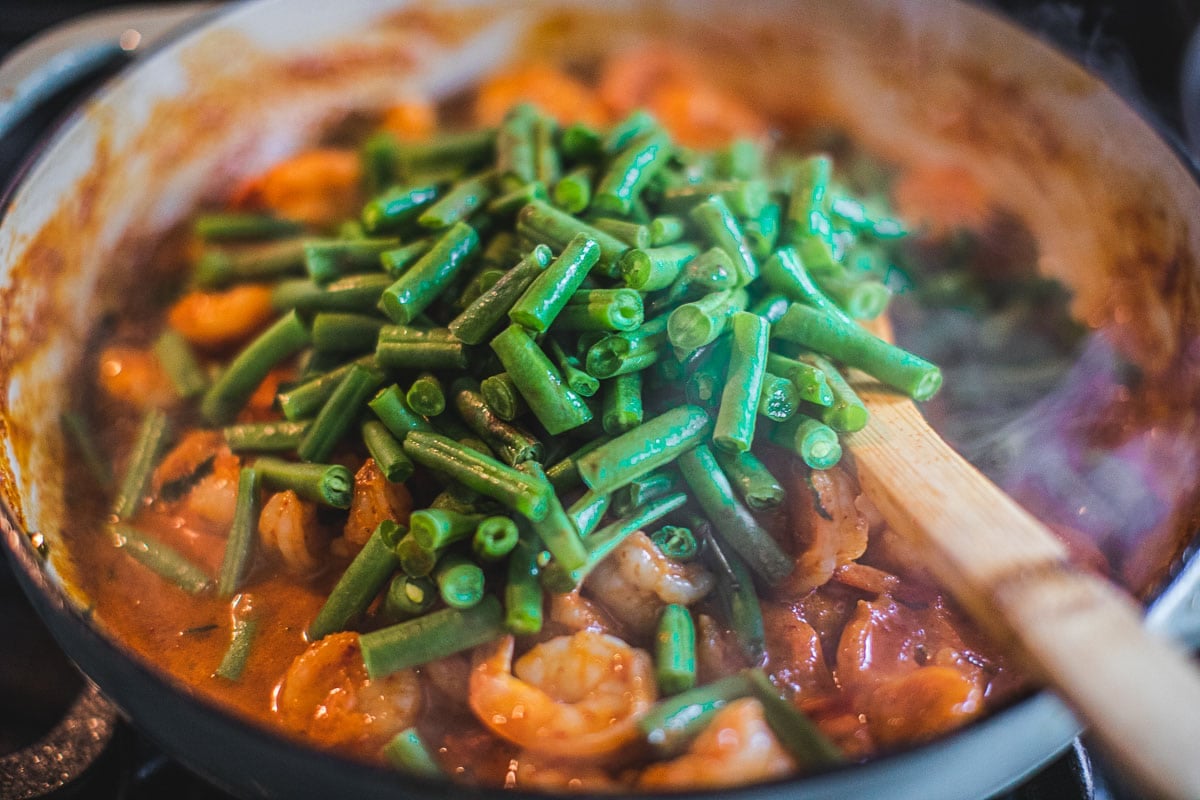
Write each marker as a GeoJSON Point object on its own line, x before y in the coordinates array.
{"type": "Point", "coordinates": [1139, 693]}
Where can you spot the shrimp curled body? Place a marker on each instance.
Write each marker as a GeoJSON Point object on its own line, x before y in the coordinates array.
{"type": "Point", "coordinates": [573, 697]}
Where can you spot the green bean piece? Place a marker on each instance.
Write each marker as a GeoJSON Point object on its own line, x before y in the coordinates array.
{"type": "Point", "coordinates": [397, 260]}
{"type": "Point", "coordinates": [438, 528]}
{"type": "Point", "coordinates": [564, 473]}
{"type": "Point", "coordinates": [459, 581]}
{"type": "Point", "coordinates": [79, 434]}
{"type": "Point", "coordinates": [408, 596]}
{"type": "Point", "coordinates": [160, 558]}
{"type": "Point", "coordinates": [430, 637]}
{"type": "Point", "coordinates": [581, 142]}
{"type": "Point", "coordinates": [573, 192]}
{"type": "Point", "coordinates": [329, 484]}
{"type": "Point", "coordinates": [513, 444]}
{"type": "Point", "coordinates": [779, 398]}
{"type": "Point", "coordinates": [785, 272]}
{"type": "Point", "coordinates": [400, 347]}
{"type": "Point", "coordinates": [753, 481]}
{"type": "Point", "coordinates": [860, 299]}
{"type": "Point", "coordinates": [721, 229]}
{"type": "Point", "coordinates": [855, 347]}
{"type": "Point", "coordinates": [634, 234]}
{"type": "Point", "coordinates": [153, 434]}
{"type": "Point", "coordinates": [407, 753]}
{"type": "Point", "coordinates": [460, 202]}
{"type": "Point", "coordinates": [579, 381]}
{"type": "Point", "coordinates": [345, 333]}
{"type": "Point", "coordinates": [811, 382]}
{"type": "Point", "coordinates": [387, 451]}
{"type": "Point", "coordinates": [495, 537]}
{"type": "Point", "coordinates": [621, 134]}
{"type": "Point", "coordinates": [359, 293]}
{"type": "Point", "coordinates": [447, 151]}
{"type": "Point", "coordinates": [416, 288]}
{"type": "Point", "coordinates": [508, 204]}
{"type": "Point", "coordinates": [602, 310]}
{"type": "Point", "coordinates": [364, 577]}
{"type": "Point", "coordinates": [771, 306]}
{"type": "Point", "coordinates": [675, 650]}
{"type": "Point", "coordinates": [814, 441]}
{"type": "Point", "coordinates": [676, 543]}
{"type": "Point", "coordinates": [225, 398]}
{"type": "Point", "coordinates": [693, 325]}
{"type": "Point", "coordinates": [741, 159]}
{"type": "Point", "coordinates": [860, 220]}
{"type": "Point", "coordinates": [651, 269]}
{"type": "Point", "coordinates": [415, 560]}
{"type": "Point", "coordinates": [628, 351]}
{"type": "Point", "coordinates": [243, 535]}
{"type": "Point", "coordinates": [588, 510]}
{"type": "Point", "coordinates": [642, 490]}
{"type": "Point", "coordinates": [555, 529]}
{"type": "Point", "coordinates": [426, 395]}
{"type": "Point", "coordinates": [798, 734]}
{"type": "Point", "coordinates": [227, 226]}
{"type": "Point", "coordinates": [762, 230]}
{"type": "Point", "coordinates": [180, 364]}
{"type": "Point", "coordinates": [846, 413]}
{"type": "Point", "coordinates": [810, 182]}
{"type": "Point", "coordinates": [523, 590]}
{"type": "Point", "coordinates": [548, 225]}
{"type": "Point", "coordinates": [329, 259]}
{"type": "Point", "coordinates": [219, 267]}
{"type": "Point", "coordinates": [630, 171]}
{"type": "Point", "coordinates": [603, 542]}
{"type": "Point", "coordinates": [734, 523]}
{"type": "Point", "coordinates": [740, 604]}
{"type": "Point", "coordinates": [380, 159]}
{"type": "Point", "coordinates": [745, 198]}
{"type": "Point", "coordinates": [546, 160]}
{"type": "Point", "coordinates": [516, 161]}
{"type": "Point", "coordinates": [394, 208]}
{"type": "Point", "coordinates": [478, 320]}
{"type": "Point", "coordinates": [339, 412]}
{"type": "Point", "coordinates": [672, 723]}
{"type": "Point", "coordinates": [306, 399]}
{"type": "Point", "coordinates": [551, 400]}
{"type": "Point", "coordinates": [651, 445]}
{"type": "Point", "coordinates": [481, 473]}
{"type": "Point", "coordinates": [738, 412]}
{"type": "Point", "coordinates": [667, 229]}
{"type": "Point", "coordinates": [392, 409]}
{"type": "Point", "coordinates": [622, 407]}
{"type": "Point", "coordinates": [245, 628]}
{"type": "Point", "coordinates": [541, 302]}
{"type": "Point", "coordinates": [501, 395]}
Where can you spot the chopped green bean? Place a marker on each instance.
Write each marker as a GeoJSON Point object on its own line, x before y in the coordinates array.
{"type": "Point", "coordinates": [392, 409]}
{"type": "Point", "coordinates": [408, 753]}
{"type": "Point", "coordinates": [721, 229]}
{"type": "Point", "coordinates": [430, 637]}
{"type": "Point", "coordinates": [399, 347]}
{"type": "Point", "coordinates": [798, 734]}
{"type": "Point", "coordinates": [160, 558]}
{"type": "Point", "coordinates": [845, 412]}
{"type": "Point", "coordinates": [395, 207]}
{"type": "Point", "coordinates": [360, 583]}
{"type": "Point", "coordinates": [387, 451]}
{"type": "Point", "coordinates": [734, 426]}
{"type": "Point", "coordinates": [481, 473]}
{"type": "Point", "coordinates": [179, 361]}
{"type": "Point", "coordinates": [245, 628]}
{"type": "Point", "coordinates": [551, 400]}
{"type": "Point", "coordinates": [809, 438]}
{"type": "Point", "coordinates": [548, 225]}
{"type": "Point", "coordinates": [409, 596]}
{"type": "Point", "coordinates": [653, 444]}
{"type": "Point", "coordinates": [328, 484]}
{"type": "Point", "coordinates": [243, 535]}
{"type": "Point", "coordinates": [811, 383]}
{"type": "Point", "coordinates": [573, 192]}
{"type": "Point", "coordinates": [753, 481]}
{"type": "Point", "coordinates": [426, 395]}
{"type": "Point", "coordinates": [549, 292]}
{"type": "Point", "coordinates": [512, 443]}
{"type": "Point", "coordinates": [477, 321]}
{"type": "Point", "coordinates": [339, 412]}
{"type": "Point", "coordinates": [501, 395]}
{"type": "Point", "coordinates": [676, 543]}
{"type": "Point", "coordinates": [153, 434]}
{"type": "Point", "coordinates": [675, 650]}
{"type": "Point", "coordinates": [233, 388]}
{"type": "Point", "coordinates": [494, 538]}
{"type": "Point", "coordinates": [670, 725]}
{"type": "Point", "coordinates": [329, 259]}
{"type": "Point", "coordinates": [523, 590]}
{"type": "Point", "coordinates": [421, 283]}
{"type": "Point", "coordinates": [622, 406]}
{"type": "Point", "coordinates": [459, 581]}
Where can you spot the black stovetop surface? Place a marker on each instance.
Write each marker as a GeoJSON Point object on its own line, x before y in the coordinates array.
{"type": "Point", "coordinates": [1137, 45]}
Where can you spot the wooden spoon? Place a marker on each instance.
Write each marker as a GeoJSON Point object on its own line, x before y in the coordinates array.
{"type": "Point", "coordinates": [1139, 693]}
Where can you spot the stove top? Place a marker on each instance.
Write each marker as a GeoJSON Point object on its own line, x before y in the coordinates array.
{"type": "Point", "coordinates": [1137, 45]}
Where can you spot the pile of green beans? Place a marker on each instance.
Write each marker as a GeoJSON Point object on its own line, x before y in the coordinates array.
{"type": "Point", "coordinates": [573, 335]}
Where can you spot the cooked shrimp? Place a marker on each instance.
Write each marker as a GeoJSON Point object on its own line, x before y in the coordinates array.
{"type": "Point", "coordinates": [701, 115]}
{"type": "Point", "coordinates": [631, 77]}
{"type": "Point", "coordinates": [717, 651]}
{"type": "Point", "coordinates": [375, 499]}
{"type": "Point", "coordinates": [795, 658]}
{"type": "Point", "coordinates": [736, 748]}
{"type": "Point", "coordinates": [411, 120]}
{"type": "Point", "coordinates": [317, 187]}
{"type": "Point", "coordinates": [574, 697]}
{"type": "Point", "coordinates": [288, 525]}
{"type": "Point", "coordinates": [576, 613]}
{"type": "Point", "coordinates": [884, 656]}
{"type": "Point", "coordinates": [135, 377]}
{"type": "Point", "coordinates": [637, 580]}
{"type": "Point", "coordinates": [550, 89]}
{"type": "Point", "coordinates": [326, 696]}
{"type": "Point", "coordinates": [210, 502]}
{"type": "Point", "coordinates": [829, 528]}
{"type": "Point", "coordinates": [530, 771]}
{"type": "Point", "coordinates": [220, 319]}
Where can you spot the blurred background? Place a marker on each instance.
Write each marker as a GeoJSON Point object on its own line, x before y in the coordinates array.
{"type": "Point", "coordinates": [1138, 46]}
